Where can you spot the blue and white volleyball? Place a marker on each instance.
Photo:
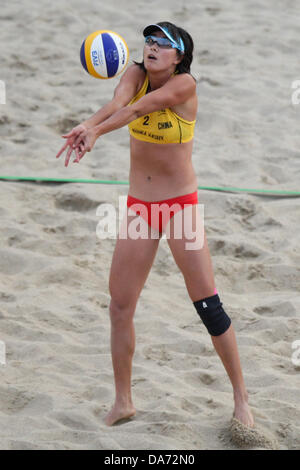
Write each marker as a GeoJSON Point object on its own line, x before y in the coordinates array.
{"type": "Point", "coordinates": [104, 54]}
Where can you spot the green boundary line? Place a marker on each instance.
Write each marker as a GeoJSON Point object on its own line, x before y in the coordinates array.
{"type": "Point", "coordinates": [265, 192]}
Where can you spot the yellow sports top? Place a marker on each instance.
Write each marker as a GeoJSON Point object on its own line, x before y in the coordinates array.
{"type": "Point", "coordinates": [160, 127]}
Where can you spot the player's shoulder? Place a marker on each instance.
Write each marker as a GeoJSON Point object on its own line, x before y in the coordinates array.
{"type": "Point", "coordinates": [134, 72]}
{"type": "Point", "coordinates": [183, 84]}
{"type": "Point", "coordinates": [185, 79]}
{"type": "Point", "coordinates": [131, 81]}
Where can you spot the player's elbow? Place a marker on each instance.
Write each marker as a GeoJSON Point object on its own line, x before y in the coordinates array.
{"type": "Point", "coordinates": [146, 106]}
{"type": "Point", "coordinates": [132, 113]}
{"type": "Point", "coordinates": [116, 104]}
{"type": "Point", "coordinates": [138, 111]}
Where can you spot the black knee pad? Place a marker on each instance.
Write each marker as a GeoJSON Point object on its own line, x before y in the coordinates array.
{"type": "Point", "coordinates": [213, 315]}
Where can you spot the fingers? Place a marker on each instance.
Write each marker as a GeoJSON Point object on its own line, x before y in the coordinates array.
{"type": "Point", "coordinates": [79, 147]}
{"type": "Point", "coordinates": [68, 156]}
{"type": "Point", "coordinates": [70, 134]}
{"type": "Point", "coordinates": [62, 150]}
{"type": "Point", "coordinates": [80, 151]}
{"type": "Point", "coordinates": [77, 156]}
{"type": "Point", "coordinates": [78, 139]}
{"type": "Point", "coordinates": [82, 154]}
{"type": "Point", "coordinates": [77, 142]}
{"type": "Point", "coordinates": [83, 151]}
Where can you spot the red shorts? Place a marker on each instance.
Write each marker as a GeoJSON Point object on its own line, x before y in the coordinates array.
{"type": "Point", "coordinates": [158, 213]}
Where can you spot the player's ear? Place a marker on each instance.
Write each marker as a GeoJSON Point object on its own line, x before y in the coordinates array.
{"type": "Point", "coordinates": [178, 59]}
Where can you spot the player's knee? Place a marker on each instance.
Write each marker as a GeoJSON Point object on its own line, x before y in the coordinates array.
{"type": "Point", "coordinates": [213, 315]}
{"type": "Point", "coordinates": [121, 311]}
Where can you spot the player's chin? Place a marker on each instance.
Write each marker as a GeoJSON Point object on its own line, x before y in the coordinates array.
{"type": "Point", "coordinates": [150, 63]}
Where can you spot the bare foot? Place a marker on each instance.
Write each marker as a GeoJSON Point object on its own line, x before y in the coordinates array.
{"type": "Point", "coordinates": [119, 412]}
{"type": "Point", "coordinates": [246, 436]}
{"type": "Point", "coordinates": [242, 413]}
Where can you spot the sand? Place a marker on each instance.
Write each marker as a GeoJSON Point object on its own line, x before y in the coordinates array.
{"type": "Point", "coordinates": [57, 383]}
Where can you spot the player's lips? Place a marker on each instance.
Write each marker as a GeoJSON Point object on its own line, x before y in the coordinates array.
{"type": "Point", "coordinates": [151, 57]}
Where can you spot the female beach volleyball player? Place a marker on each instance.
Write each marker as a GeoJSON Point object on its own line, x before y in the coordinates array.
{"type": "Point", "coordinates": [157, 99]}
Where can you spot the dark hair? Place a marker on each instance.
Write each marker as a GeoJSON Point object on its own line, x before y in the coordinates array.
{"type": "Point", "coordinates": [185, 65]}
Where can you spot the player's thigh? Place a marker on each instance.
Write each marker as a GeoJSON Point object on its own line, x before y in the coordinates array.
{"type": "Point", "coordinates": [131, 263]}
{"type": "Point", "coordinates": [191, 253]}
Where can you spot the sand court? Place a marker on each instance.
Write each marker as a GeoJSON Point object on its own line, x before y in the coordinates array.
{"type": "Point", "coordinates": [57, 379]}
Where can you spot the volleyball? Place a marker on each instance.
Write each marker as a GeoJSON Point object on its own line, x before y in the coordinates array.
{"type": "Point", "coordinates": [104, 54]}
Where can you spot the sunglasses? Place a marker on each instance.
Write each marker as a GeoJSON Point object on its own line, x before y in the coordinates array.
{"type": "Point", "coordinates": [163, 43]}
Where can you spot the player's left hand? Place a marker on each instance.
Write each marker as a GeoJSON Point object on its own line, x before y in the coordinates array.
{"type": "Point", "coordinates": [84, 143]}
